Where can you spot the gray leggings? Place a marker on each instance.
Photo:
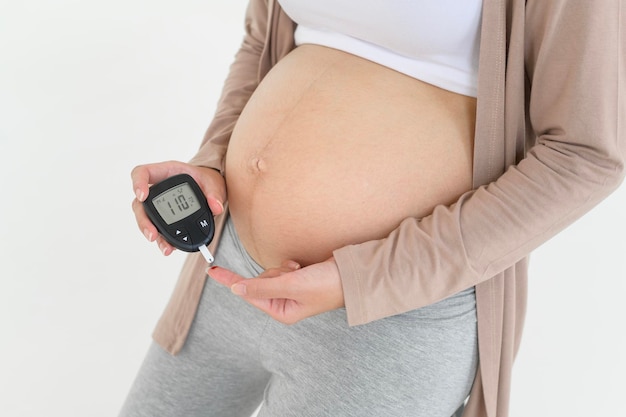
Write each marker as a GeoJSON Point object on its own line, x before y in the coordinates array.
{"type": "Point", "coordinates": [420, 363]}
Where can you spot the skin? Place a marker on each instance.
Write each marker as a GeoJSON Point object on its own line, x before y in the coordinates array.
{"type": "Point", "coordinates": [422, 123]}
{"type": "Point", "coordinates": [287, 293]}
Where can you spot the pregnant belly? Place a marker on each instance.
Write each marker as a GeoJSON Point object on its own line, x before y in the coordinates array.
{"type": "Point", "coordinates": [333, 150]}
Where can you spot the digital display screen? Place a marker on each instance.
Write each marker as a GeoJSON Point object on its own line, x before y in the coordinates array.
{"type": "Point", "coordinates": [176, 203]}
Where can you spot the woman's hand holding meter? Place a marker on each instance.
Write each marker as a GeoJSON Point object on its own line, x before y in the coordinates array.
{"type": "Point", "coordinates": [210, 181]}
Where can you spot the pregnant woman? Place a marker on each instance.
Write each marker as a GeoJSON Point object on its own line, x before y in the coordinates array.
{"type": "Point", "coordinates": [380, 172]}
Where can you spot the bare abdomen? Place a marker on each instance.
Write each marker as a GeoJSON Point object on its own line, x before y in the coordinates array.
{"type": "Point", "coordinates": [333, 149]}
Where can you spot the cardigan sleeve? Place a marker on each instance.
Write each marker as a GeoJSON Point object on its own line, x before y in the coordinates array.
{"type": "Point", "coordinates": [242, 80]}
{"type": "Point", "coordinates": [575, 54]}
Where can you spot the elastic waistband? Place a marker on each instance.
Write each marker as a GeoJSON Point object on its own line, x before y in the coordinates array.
{"type": "Point", "coordinates": [231, 232]}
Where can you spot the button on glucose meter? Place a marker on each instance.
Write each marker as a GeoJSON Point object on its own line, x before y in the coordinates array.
{"type": "Point", "coordinates": [181, 214]}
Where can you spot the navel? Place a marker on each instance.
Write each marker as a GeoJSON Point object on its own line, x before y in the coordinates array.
{"type": "Point", "coordinates": [257, 165]}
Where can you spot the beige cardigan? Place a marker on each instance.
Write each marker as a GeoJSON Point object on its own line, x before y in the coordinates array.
{"type": "Point", "coordinates": [549, 145]}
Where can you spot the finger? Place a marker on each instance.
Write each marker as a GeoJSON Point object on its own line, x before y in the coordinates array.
{"type": "Point", "coordinates": [293, 265]}
{"type": "Point", "coordinates": [165, 248]}
{"type": "Point", "coordinates": [143, 222]}
{"type": "Point", "coordinates": [274, 272]}
{"type": "Point", "coordinates": [140, 176]}
{"type": "Point", "coordinates": [224, 276]}
{"type": "Point", "coordinates": [212, 184]}
{"type": "Point", "coordinates": [259, 288]}
{"type": "Point", "coordinates": [215, 205]}
{"type": "Point", "coordinates": [144, 175]}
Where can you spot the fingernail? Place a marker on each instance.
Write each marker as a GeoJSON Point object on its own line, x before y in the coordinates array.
{"type": "Point", "coordinates": [221, 205]}
{"type": "Point", "coordinates": [147, 234]}
{"type": "Point", "coordinates": [139, 194]}
{"type": "Point", "coordinates": [163, 248]}
{"type": "Point", "coordinates": [238, 289]}
{"type": "Point", "coordinates": [293, 265]}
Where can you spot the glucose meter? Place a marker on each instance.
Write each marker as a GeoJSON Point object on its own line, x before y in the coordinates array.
{"type": "Point", "coordinates": [181, 214]}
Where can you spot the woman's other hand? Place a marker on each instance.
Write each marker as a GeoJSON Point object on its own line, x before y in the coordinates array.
{"type": "Point", "coordinates": [288, 293]}
{"type": "Point", "coordinates": [210, 181]}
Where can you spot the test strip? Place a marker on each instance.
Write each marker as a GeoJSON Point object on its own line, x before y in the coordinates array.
{"type": "Point", "coordinates": [207, 255]}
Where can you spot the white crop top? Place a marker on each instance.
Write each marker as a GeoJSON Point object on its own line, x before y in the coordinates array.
{"type": "Point", "coordinates": [435, 41]}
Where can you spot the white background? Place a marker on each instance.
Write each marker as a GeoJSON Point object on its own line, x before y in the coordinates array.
{"type": "Point", "coordinates": [88, 89]}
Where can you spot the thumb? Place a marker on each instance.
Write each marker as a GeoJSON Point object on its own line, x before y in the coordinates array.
{"type": "Point", "coordinates": [216, 206]}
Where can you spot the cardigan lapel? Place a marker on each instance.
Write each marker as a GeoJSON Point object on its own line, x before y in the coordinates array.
{"type": "Point", "coordinates": [488, 143]}
{"type": "Point", "coordinates": [489, 165]}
